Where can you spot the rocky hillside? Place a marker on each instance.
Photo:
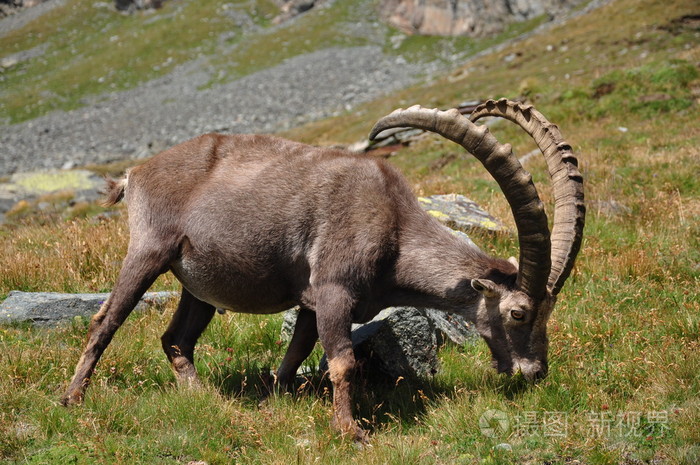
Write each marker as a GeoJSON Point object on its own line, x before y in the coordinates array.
{"type": "Point", "coordinates": [82, 83]}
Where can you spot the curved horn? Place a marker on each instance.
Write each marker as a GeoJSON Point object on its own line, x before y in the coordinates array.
{"type": "Point", "coordinates": [515, 182]}
{"type": "Point", "coordinates": [567, 182]}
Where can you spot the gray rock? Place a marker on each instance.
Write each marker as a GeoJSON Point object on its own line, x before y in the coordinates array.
{"type": "Point", "coordinates": [440, 17]}
{"type": "Point", "coordinates": [84, 186]}
{"type": "Point", "coordinates": [451, 327]}
{"type": "Point", "coordinates": [51, 308]}
{"type": "Point", "coordinates": [288, 323]}
{"type": "Point", "coordinates": [612, 208]}
{"type": "Point", "coordinates": [133, 5]}
{"type": "Point", "coordinates": [16, 58]}
{"type": "Point", "coordinates": [400, 341]}
{"type": "Point", "coordinates": [460, 213]}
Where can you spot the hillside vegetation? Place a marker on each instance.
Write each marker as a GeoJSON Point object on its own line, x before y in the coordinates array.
{"type": "Point", "coordinates": [623, 84]}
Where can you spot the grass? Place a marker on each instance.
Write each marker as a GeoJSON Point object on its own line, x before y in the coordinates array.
{"type": "Point", "coordinates": [623, 386]}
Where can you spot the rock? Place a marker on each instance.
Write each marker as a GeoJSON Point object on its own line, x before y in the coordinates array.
{"type": "Point", "coordinates": [8, 62]}
{"type": "Point", "coordinates": [19, 57]}
{"type": "Point", "coordinates": [458, 212]}
{"type": "Point", "coordinates": [451, 327]}
{"type": "Point", "coordinates": [288, 323]}
{"type": "Point", "coordinates": [611, 208]}
{"type": "Point", "coordinates": [43, 182]}
{"type": "Point", "coordinates": [11, 7]}
{"type": "Point", "coordinates": [292, 8]}
{"type": "Point", "coordinates": [52, 308]}
{"type": "Point", "coordinates": [83, 185]}
{"type": "Point", "coordinates": [471, 18]}
{"type": "Point", "coordinates": [133, 5]}
{"type": "Point", "coordinates": [399, 341]}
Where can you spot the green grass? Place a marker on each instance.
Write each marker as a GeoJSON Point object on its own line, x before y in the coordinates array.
{"type": "Point", "coordinates": [624, 338]}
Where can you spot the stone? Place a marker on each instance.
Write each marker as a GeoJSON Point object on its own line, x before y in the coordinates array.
{"type": "Point", "coordinates": [399, 341]}
{"type": "Point", "coordinates": [460, 213]}
{"type": "Point", "coordinates": [52, 308]}
{"type": "Point", "coordinates": [44, 182]}
{"type": "Point", "coordinates": [470, 18]}
{"type": "Point", "coordinates": [451, 327]}
{"type": "Point", "coordinates": [24, 186]}
{"type": "Point", "coordinates": [292, 8]}
{"type": "Point", "coordinates": [133, 5]}
{"type": "Point", "coordinates": [288, 322]}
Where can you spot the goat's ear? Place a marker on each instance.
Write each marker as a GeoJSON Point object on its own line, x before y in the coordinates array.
{"type": "Point", "coordinates": [487, 287]}
{"type": "Point", "coordinates": [514, 262]}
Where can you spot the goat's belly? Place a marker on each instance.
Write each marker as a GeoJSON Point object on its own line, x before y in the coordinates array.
{"type": "Point", "coordinates": [252, 292]}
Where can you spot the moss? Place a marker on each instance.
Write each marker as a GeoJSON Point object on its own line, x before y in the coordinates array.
{"type": "Point", "coordinates": [52, 181]}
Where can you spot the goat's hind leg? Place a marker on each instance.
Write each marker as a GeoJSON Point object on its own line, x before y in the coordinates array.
{"type": "Point", "coordinates": [334, 317]}
{"type": "Point", "coordinates": [301, 345]}
{"type": "Point", "coordinates": [189, 321]}
{"type": "Point", "coordinates": [139, 271]}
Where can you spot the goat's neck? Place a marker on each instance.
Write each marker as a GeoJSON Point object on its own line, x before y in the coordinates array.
{"type": "Point", "coordinates": [435, 269]}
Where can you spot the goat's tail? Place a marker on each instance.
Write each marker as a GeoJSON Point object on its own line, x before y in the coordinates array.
{"type": "Point", "coordinates": [114, 190]}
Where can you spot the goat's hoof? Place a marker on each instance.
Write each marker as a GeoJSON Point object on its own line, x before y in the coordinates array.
{"type": "Point", "coordinates": [361, 439]}
{"type": "Point", "coordinates": [188, 382]}
{"type": "Point", "coordinates": [352, 430]}
{"type": "Point", "coordinates": [70, 399]}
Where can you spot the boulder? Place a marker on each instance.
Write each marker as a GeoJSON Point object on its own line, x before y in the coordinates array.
{"type": "Point", "coordinates": [460, 213]}
{"type": "Point", "coordinates": [468, 17]}
{"type": "Point", "coordinates": [400, 341]}
{"type": "Point", "coordinates": [51, 308]}
{"type": "Point", "coordinates": [292, 8]}
{"type": "Point", "coordinates": [133, 5]}
{"type": "Point", "coordinates": [70, 186]}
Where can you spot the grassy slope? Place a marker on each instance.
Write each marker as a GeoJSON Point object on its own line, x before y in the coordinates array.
{"type": "Point", "coordinates": [624, 338]}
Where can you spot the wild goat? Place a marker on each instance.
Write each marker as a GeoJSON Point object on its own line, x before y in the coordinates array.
{"type": "Point", "coordinates": [257, 224]}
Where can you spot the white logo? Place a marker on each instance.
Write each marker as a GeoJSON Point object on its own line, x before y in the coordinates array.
{"type": "Point", "coordinates": [494, 423]}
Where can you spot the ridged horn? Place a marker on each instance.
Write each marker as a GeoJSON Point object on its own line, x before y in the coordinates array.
{"type": "Point", "coordinates": [515, 182]}
{"type": "Point", "coordinates": [567, 182]}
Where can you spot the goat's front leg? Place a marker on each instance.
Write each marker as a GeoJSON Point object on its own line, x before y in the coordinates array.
{"type": "Point", "coordinates": [139, 271]}
{"type": "Point", "coordinates": [189, 321]}
{"type": "Point", "coordinates": [334, 317]}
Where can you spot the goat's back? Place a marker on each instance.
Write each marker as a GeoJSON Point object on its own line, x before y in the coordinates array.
{"type": "Point", "coordinates": [263, 213]}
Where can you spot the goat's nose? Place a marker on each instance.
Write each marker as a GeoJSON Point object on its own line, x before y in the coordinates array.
{"type": "Point", "coordinates": [533, 370]}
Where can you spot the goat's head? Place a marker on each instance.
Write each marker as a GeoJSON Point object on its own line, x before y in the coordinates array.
{"type": "Point", "coordinates": [514, 327]}
{"type": "Point", "coordinates": [513, 313]}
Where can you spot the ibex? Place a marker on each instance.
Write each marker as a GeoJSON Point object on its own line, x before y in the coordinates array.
{"type": "Point", "coordinates": [257, 224]}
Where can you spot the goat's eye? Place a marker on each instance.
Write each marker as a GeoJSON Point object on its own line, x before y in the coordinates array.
{"type": "Point", "coordinates": [517, 314]}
